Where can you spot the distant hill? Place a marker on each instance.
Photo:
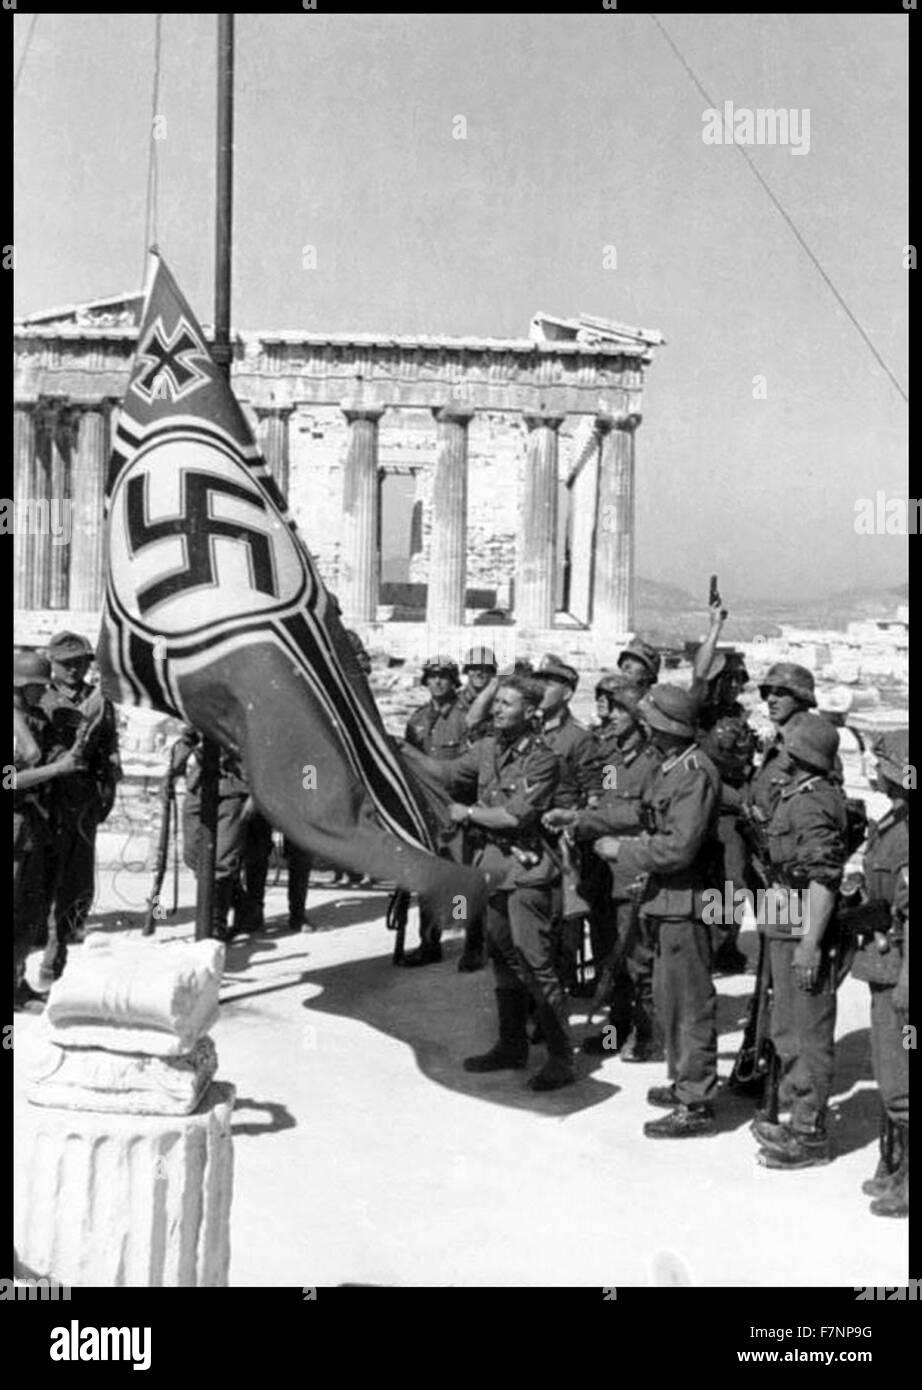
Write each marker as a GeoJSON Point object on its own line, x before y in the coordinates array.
{"type": "Point", "coordinates": [670, 616]}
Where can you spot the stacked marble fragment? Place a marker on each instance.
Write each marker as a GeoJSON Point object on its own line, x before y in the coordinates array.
{"type": "Point", "coordinates": [126, 1028]}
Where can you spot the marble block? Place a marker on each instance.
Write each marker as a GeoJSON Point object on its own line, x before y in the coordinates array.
{"type": "Point", "coordinates": [137, 996]}
{"type": "Point", "coordinates": [89, 1078]}
{"type": "Point", "coordinates": [109, 1200]}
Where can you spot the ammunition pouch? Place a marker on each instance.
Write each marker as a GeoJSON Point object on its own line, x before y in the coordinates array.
{"type": "Point", "coordinates": [878, 942]}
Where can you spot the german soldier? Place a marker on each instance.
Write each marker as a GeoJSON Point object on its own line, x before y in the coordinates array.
{"type": "Point", "coordinates": [670, 862]}
{"type": "Point", "coordinates": [513, 775]}
{"type": "Point", "coordinates": [82, 719]}
{"type": "Point", "coordinates": [627, 763]}
{"type": "Point", "coordinates": [789, 694]}
{"type": "Point", "coordinates": [234, 806]}
{"type": "Point", "coordinates": [883, 961]}
{"type": "Point", "coordinates": [577, 752]}
{"type": "Point", "coordinates": [726, 736]}
{"type": "Point", "coordinates": [806, 853]}
{"type": "Point", "coordinates": [438, 730]}
{"type": "Point", "coordinates": [33, 744]}
{"type": "Point", "coordinates": [640, 661]}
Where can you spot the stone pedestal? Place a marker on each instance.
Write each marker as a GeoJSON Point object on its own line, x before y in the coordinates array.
{"type": "Point", "coordinates": [358, 584]}
{"type": "Point", "coordinates": [448, 543]}
{"type": "Point", "coordinates": [87, 553]}
{"type": "Point", "coordinates": [125, 1200]}
{"type": "Point", "coordinates": [613, 574]}
{"type": "Point", "coordinates": [536, 553]}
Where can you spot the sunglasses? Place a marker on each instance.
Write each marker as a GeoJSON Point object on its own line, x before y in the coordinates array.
{"type": "Point", "coordinates": [780, 690]}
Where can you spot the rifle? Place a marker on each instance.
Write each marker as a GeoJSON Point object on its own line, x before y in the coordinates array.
{"type": "Point", "coordinates": [398, 908]}
{"type": "Point", "coordinates": [756, 1071]}
{"type": "Point", "coordinates": [167, 814]}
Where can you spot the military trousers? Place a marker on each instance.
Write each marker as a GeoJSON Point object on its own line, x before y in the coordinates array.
{"type": "Point", "coordinates": [889, 1058]}
{"type": "Point", "coordinates": [631, 1007]}
{"type": "Point", "coordinates": [229, 836]}
{"type": "Point", "coordinates": [299, 878]}
{"type": "Point", "coordinates": [522, 943]}
{"type": "Point", "coordinates": [70, 863]}
{"type": "Point", "coordinates": [30, 889]}
{"type": "Point", "coordinates": [803, 1032]}
{"type": "Point", "coordinates": [686, 1005]}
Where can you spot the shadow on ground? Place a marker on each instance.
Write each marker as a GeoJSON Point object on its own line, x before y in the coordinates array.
{"type": "Point", "coordinates": [442, 1015]}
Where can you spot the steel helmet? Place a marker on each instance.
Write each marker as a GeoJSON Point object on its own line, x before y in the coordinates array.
{"type": "Point", "coordinates": [619, 689]}
{"type": "Point", "coordinates": [443, 665]}
{"type": "Point", "coordinates": [814, 741]}
{"type": "Point", "coordinates": [31, 669]}
{"type": "Point", "coordinates": [792, 677]}
{"type": "Point", "coordinates": [645, 653]}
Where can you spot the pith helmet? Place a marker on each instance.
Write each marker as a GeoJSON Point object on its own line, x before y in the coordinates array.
{"type": "Point", "coordinates": [892, 753]}
{"type": "Point", "coordinates": [619, 690]}
{"type": "Point", "coordinates": [814, 740]}
{"type": "Point", "coordinates": [553, 667]}
{"type": "Point", "coordinates": [795, 678]}
{"type": "Point", "coordinates": [644, 652]}
{"type": "Point", "coordinates": [444, 666]}
{"type": "Point", "coordinates": [64, 646]}
{"type": "Point", "coordinates": [671, 709]}
{"type": "Point", "coordinates": [480, 656]}
{"type": "Point", "coordinates": [31, 669]}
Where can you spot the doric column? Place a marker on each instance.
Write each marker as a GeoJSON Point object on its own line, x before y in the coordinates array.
{"type": "Point", "coordinates": [536, 550]}
{"type": "Point", "coordinates": [448, 542]}
{"type": "Point", "coordinates": [25, 478]}
{"type": "Point", "coordinates": [358, 568]}
{"type": "Point", "coordinates": [613, 575]}
{"type": "Point", "coordinates": [273, 420]}
{"type": "Point", "coordinates": [63, 439]}
{"type": "Point", "coordinates": [87, 555]}
{"type": "Point", "coordinates": [38, 590]}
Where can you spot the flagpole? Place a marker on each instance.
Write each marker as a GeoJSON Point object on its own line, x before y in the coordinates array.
{"type": "Point", "coordinates": [222, 353]}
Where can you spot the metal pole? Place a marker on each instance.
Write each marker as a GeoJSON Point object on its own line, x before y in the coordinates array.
{"type": "Point", "coordinates": [222, 353]}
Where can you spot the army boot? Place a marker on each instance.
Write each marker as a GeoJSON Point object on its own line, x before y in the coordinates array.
{"type": "Point", "coordinates": [685, 1122]}
{"type": "Point", "coordinates": [222, 900]}
{"type": "Point", "coordinates": [559, 1069]}
{"type": "Point", "coordinates": [895, 1201]}
{"type": "Point", "coordinates": [511, 1052]}
{"type": "Point", "coordinates": [890, 1149]}
{"type": "Point", "coordinates": [797, 1149]}
{"type": "Point", "coordinates": [663, 1096]}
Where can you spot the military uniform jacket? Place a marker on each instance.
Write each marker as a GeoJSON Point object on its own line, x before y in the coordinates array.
{"type": "Point", "coordinates": [886, 873]}
{"type": "Point", "coordinates": [671, 860]}
{"type": "Point", "coordinates": [87, 718]}
{"type": "Point", "coordinates": [521, 777]}
{"type": "Point", "coordinates": [32, 742]}
{"type": "Point", "coordinates": [805, 841]}
{"type": "Point", "coordinates": [578, 753]}
{"type": "Point", "coordinates": [628, 770]}
{"type": "Point", "coordinates": [439, 731]}
{"type": "Point", "coordinates": [729, 741]}
{"type": "Point", "coordinates": [231, 781]}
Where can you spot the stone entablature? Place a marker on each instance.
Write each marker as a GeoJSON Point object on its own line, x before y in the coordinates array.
{"type": "Point", "coordinates": [490, 428]}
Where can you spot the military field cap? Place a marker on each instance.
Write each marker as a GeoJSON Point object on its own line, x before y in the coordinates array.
{"type": "Point", "coordinates": [671, 709]}
{"type": "Point", "coordinates": [789, 676]}
{"type": "Point", "coordinates": [814, 741]}
{"type": "Point", "coordinates": [644, 652]}
{"type": "Point", "coordinates": [619, 690]}
{"type": "Point", "coordinates": [480, 656]}
{"type": "Point", "coordinates": [554, 668]}
{"type": "Point", "coordinates": [66, 645]}
{"type": "Point", "coordinates": [891, 750]}
{"type": "Point", "coordinates": [728, 660]}
{"type": "Point", "coordinates": [31, 669]}
{"type": "Point", "coordinates": [441, 665]}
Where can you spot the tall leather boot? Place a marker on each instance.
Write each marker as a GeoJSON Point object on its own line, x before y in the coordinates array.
{"type": "Point", "coordinates": [222, 900]}
{"type": "Point", "coordinates": [511, 1052]}
{"type": "Point", "coordinates": [299, 877]}
{"type": "Point", "coordinates": [895, 1201]}
{"type": "Point", "coordinates": [889, 1161]}
{"type": "Point", "coordinates": [559, 1069]}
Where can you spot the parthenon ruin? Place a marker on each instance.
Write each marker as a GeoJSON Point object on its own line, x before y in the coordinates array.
{"type": "Point", "coordinates": [519, 455]}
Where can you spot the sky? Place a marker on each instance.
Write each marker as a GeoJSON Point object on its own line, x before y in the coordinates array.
{"type": "Point", "coordinates": [765, 416]}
